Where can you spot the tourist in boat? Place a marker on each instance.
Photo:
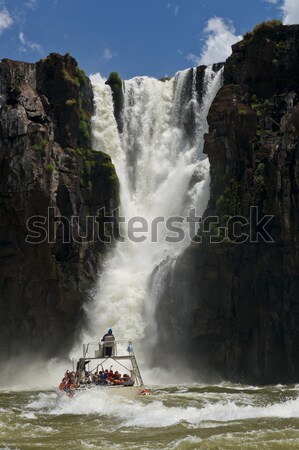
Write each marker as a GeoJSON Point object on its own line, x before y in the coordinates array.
{"type": "Point", "coordinates": [72, 377]}
{"type": "Point", "coordinates": [110, 375]}
{"type": "Point", "coordinates": [95, 377]}
{"type": "Point", "coordinates": [117, 375]}
{"type": "Point", "coordinates": [117, 378]}
{"type": "Point", "coordinates": [108, 340]}
{"type": "Point", "coordinates": [102, 379]}
{"type": "Point", "coordinates": [128, 381]}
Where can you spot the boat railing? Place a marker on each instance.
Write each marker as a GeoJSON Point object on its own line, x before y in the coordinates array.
{"type": "Point", "coordinates": [118, 350]}
{"type": "Point", "coordinates": [108, 348]}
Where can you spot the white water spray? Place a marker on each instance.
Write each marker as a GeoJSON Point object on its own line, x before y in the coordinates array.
{"type": "Point", "coordinates": [162, 173]}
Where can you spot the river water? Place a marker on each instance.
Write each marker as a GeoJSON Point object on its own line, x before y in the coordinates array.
{"type": "Point", "coordinates": [194, 416]}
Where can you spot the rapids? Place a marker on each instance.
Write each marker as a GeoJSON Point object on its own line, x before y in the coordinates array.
{"type": "Point", "coordinates": [181, 417]}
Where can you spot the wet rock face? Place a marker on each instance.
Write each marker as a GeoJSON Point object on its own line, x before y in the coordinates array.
{"type": "Point", "coordinates": [236, 306]}
{"type": "Point", "coordinates": [46, 161]}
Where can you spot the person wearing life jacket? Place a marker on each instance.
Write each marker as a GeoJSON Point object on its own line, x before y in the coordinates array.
{"type": "Point", "coordinates": [117, 378]}
{"type": "Point", "coordinates": [110, 375]}
{"type": "Point", "coordinates": [102, 379]}
{"type": "Point", "coordinates": [108, 340]}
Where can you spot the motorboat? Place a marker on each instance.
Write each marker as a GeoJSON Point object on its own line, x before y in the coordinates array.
{"type": "Point", "coordinates": [109, 365]}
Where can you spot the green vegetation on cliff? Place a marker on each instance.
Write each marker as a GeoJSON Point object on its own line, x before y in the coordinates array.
{"type": "Point", "coordinates": [69, 92]}
{"type": "Point", "coordinates": [261, 27]}
{"type": "Point", "coordinates": [84, 138]}
{"type": "Point", "coordinates": [50, 168]}
{"type": "Point", "coordinates": [40, 146]}
{"type": "Point", "coordinates": [97, 165]}
{"type": "Point", "coordinates": [116, 85]}
{"type": "Point", "coordinates": [114, 82]}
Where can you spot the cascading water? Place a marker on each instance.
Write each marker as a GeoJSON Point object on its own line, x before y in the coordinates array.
{"type": "Point", "coordinates": [162, 173]}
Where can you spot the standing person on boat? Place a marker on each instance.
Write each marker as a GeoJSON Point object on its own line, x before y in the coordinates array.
{"type": "Point", "coordinates": [108, 334]}
{"type": "Point", "coordinates": [108, 340]}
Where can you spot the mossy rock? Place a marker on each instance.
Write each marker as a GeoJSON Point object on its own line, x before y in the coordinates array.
{"type": "Point", "coordinates": [98, 175]}
{"type": "Point", "coordinates": [49, 168]}
{"type": "Point", "coordinates": [70, 94]}
{"type": "Point", "coordinates": [116, 85]}
{"type": "Point", "coordinates": [261, 28]}
{"type": "Point", "coordinates": [40, 146]}
{"type": "Point", "coordinates": [228, 202]}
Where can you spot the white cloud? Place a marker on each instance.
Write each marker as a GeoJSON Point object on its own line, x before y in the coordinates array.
{"type": "Point", "coordinates": [272, 2]}
{"type": "Point", "coordinates": [290, 10]}
{"type": "Point", "coordinates": [31, 4]}
{"type": "Point", "coordinates": [175, 8]}
{"type": "Point", "coordinates": [5, 20]}
{"type": "Point", "coordinates": [220, 36]}
{"type": "Point", "coordinates": [29, 45]}
{"type": "Point", "coordinates": [107, 54]}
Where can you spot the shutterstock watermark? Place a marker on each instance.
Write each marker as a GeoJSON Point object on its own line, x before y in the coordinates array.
{"type": "Point", "coordinates": [106, 228]}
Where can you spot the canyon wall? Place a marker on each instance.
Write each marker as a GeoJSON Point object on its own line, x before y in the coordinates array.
{"type": "Point", "coordinates": [231, 310]}
{"type": "Point", "coordinates": [47, 161]}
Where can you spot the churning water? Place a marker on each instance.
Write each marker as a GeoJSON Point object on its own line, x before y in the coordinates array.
{"type": "Point", "coordinates": [182, 417]}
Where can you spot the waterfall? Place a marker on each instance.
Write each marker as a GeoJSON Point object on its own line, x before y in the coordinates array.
{"type": "Point", "coordinates": [162, 173]}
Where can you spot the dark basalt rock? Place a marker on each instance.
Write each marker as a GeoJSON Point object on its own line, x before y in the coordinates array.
{"type": "Point", "coordinates": [46, 162]}
{"type": "Point", "coordinates": [232, 309]}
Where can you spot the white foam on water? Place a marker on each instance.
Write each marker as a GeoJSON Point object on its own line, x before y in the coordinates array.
{"type": "Point", "coordinates": [9, 448]}
{"type": "Point", "coordinates": [186, 442]}
{"type": "Point", "coordinates": [28, 415]}
{"type": "Point", "coordinates": [86, 444]}
{"type": "Point", "coordinates": [155, 414]}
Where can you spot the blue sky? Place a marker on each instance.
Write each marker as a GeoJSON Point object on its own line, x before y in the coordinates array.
{"type": "Point", "coordinates": [133, 37]}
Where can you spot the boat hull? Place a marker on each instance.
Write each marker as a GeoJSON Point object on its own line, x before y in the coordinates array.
{"type": "Point", "coordinates": [127, 392]}
{"type": "Point", "coordinates": [123, 391]}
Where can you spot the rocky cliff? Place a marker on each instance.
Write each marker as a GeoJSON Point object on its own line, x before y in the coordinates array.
{"type": "Point", "coordinates": [47, 161]}
{"type": "Point", "coordinates": [232, 308]}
